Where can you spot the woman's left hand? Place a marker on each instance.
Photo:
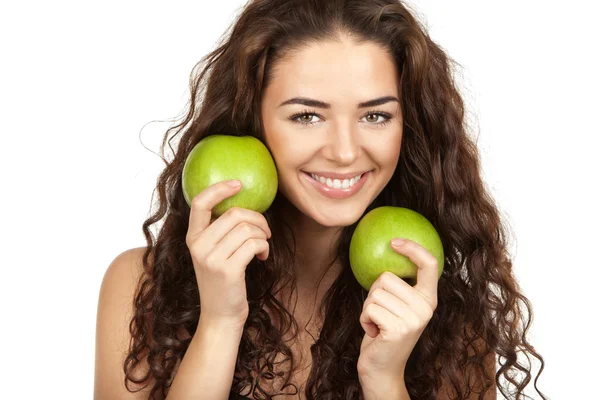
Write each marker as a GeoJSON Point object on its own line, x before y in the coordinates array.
{"type": "Point", "coordinates": [394, 315]}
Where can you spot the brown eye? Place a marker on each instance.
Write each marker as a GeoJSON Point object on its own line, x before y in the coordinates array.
{"type": "Point", "coordinates": [304, 118]}
{"type": "Point", "coordinates": [375, 116]}
{"type": "Point", "coordinates": [385, 118]}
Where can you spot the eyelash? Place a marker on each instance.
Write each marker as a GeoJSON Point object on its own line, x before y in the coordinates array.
{"type": "Point", "coordinates": [308, 112]}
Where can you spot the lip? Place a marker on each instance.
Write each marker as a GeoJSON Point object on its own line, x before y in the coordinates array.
{"type": "Point", "coordinates": [337, 193]}
{"type": "Point", "coordinates": [332, 176]}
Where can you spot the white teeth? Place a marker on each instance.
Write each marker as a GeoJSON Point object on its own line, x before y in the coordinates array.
{"type": "Point", "coordinates": [337, 183]}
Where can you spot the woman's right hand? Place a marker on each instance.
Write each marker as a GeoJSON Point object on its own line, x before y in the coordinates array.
{"type": "Point", "coordinates": [221, 250]}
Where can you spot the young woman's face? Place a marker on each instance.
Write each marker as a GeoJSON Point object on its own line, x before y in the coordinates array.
{"type": "Point", "coordinates": [337, 138]}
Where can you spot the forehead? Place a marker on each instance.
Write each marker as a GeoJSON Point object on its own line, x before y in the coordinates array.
{"type": "Point", "coordinates": [337, 71]}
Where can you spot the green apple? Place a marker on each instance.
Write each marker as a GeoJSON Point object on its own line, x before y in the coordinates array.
{"type": "Point", "coordinates": [219, 158]}
{"type": "Point", "coordinates": [371, 253]}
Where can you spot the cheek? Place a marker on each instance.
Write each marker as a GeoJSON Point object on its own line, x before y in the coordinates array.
{"type": "Point", "coordinates": [387, 154]}
{"type": "Point", "coordinates": [286, 153]}
{"type": "Point", "coordinates": [277, 143]}
{"type": "Point", "coordinates": [290, 151]}
{"type": "Point", "coordinates": [393, 149]}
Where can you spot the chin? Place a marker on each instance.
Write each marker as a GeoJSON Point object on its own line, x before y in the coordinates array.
{"type": "Point", "coordinates": [325, 211]}
{"type": "Point", "coordinates": [336, 217]}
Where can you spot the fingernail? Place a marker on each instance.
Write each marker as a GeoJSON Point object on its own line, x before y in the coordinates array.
{"type": "Point", "coordinates": [398, 242]}
{"type": "Point", "coordinates": [234, 183]}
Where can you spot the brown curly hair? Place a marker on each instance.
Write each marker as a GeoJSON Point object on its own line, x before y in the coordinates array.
{"type": "Point", "coordinates": [438, 175]}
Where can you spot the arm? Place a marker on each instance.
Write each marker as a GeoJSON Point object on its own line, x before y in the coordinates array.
{"type": "Point", "coordinates": [206, 371]}
{"type": "Point", "coordinates": [397, 390]}
{"type": "Point", "coordinates": [392, 391]}
{"type": "Point", "coordinates": [112, 330]}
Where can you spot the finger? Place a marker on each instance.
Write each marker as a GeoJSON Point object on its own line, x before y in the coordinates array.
{"type": "Point", "coordinates": [203, 203]}
{"type": "Point", "coordinates": [396, 286]}
{"type": "Point", "coordinates": [265, 254]}
{"type": "Point", "coordinates": [388, 301]}
{"type": "Point", "coordinates": [251, 247]}
{"type": "Point", "coordinates": [416, 316]}
{"type": "Point", "coordinates": [229, 220]}
{"type": "Point", "coordinates": [427, 273]}
{"type": "Point", "coordinates": [375, 319]}
{"type": "Point", "coordinates": [236, 237]}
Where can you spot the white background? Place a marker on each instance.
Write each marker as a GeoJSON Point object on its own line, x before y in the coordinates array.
{"type": "Point", "coordinates": [81, 81]}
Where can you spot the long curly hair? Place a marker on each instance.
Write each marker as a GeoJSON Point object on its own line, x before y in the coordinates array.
{"type": "Point", "coordinates": [438, 175]}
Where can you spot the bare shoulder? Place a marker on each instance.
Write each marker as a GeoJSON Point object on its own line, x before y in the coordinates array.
{"type": "Point", "coordinates": [128, 262]}
{"type": "Point", "coordinates": [115, 309]}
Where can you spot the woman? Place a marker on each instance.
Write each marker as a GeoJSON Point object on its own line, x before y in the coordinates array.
{"type": "Point", "coordinates": [210, 320]}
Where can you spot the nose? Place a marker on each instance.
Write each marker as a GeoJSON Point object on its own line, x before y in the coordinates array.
{"type": "Point", "coordinates": [343, 147]}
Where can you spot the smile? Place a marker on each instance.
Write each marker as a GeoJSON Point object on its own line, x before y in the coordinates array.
{"type": "Point", "coordinates": [337, 188]}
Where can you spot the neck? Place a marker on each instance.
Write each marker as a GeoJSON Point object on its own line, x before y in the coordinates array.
{"type": "Point", "coordinates": [316, 254]}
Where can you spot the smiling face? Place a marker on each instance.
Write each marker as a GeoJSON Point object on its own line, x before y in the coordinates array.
{"type": "Point", "coordinates": [333, 134]}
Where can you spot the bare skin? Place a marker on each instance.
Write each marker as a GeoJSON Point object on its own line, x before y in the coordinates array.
{"type": "Point", "coordinates": [343, 138]}
{"type": "Point", "coordinates": [113, 338]}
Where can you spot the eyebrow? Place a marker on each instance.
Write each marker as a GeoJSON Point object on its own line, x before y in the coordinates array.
{"type": "Point", "coordinates": [319, 104]}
